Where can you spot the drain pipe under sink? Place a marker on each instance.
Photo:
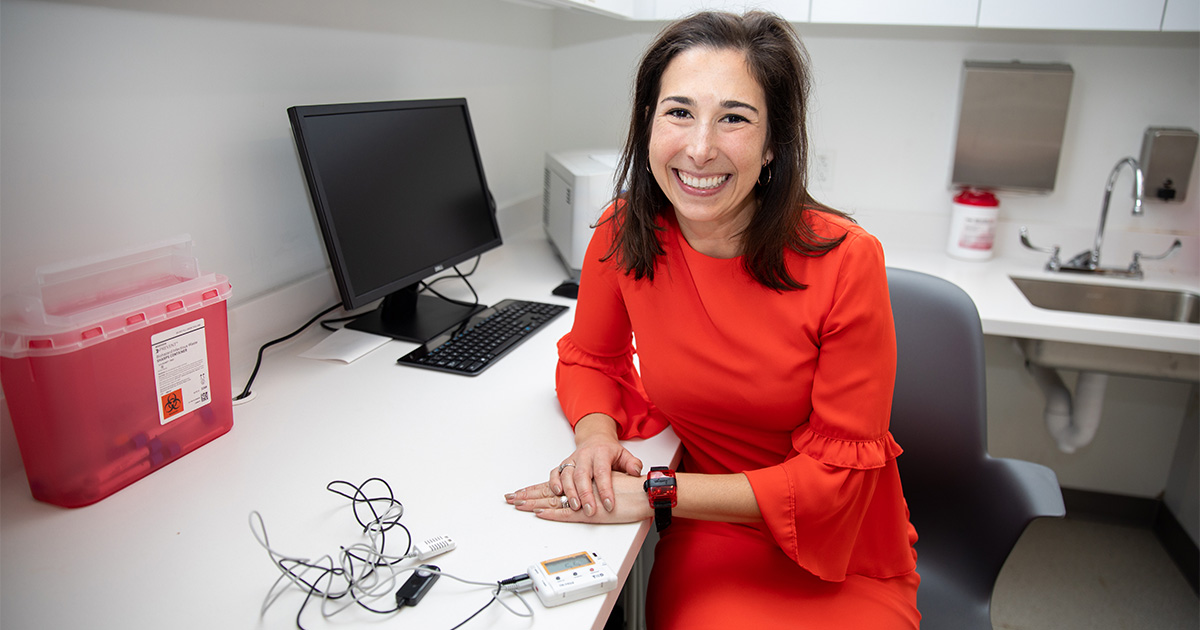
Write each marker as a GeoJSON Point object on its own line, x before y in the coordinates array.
{"type": "Point", "coordinates": [1072, 424]}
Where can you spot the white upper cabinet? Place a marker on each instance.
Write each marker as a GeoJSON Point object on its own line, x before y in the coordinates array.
{"type": "Point", "coordinates": [1096, 15]}
{"type": "Point", "coordinates": [1092, 15]}
{"type": "Point", "coordinates": [915, 12]}
{"type": "Point", "coordinates": [1182, 15]}
{"type": "Point", "coordinates": [612, 8]}
{"type": "Point", "coordinates": [790, 10]}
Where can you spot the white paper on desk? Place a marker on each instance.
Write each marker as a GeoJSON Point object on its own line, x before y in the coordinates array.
{"type": "Point", "coordinates": [345, 345]}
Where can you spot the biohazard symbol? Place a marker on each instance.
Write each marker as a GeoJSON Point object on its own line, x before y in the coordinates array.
{"type": "Point", "coordinates": [172, 403]}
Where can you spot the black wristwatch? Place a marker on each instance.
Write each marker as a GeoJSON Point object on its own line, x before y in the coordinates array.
{"type": "Point", "coordinates": [660, 487]}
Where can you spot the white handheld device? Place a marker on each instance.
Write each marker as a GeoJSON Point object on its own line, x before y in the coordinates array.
{"type": "Point", "coordinates": [570, 578]}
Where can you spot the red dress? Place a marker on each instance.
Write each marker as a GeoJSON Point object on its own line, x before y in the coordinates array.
{"type": "Point", "coordinates": [793, 389]}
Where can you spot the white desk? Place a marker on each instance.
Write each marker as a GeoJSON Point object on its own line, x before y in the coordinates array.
{"type": "Point", "coordinates": [175, 549]}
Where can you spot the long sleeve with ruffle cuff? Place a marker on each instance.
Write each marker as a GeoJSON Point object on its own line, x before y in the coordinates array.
{"type": "Point", "coordinates": [833, 507]}
{"type": "Point", "coordinates": [590, 383]}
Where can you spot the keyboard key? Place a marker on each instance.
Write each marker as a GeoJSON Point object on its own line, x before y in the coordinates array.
{"type": "Point", "coordinates": [485, 338]}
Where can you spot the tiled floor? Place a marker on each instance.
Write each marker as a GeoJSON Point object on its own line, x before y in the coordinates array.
{"type": "Point", "coordinates": [1070, 574]}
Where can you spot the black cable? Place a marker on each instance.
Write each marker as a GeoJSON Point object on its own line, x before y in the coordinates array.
{"type": "Point", "coordinates": [474, 267]}
{"type": "Point", "coordinates": [312, 588]}
{"type": "Point", "coordinates": [358, 497]}
{"type": "Point", "coordinates": [428, 286]}
{"type": "Point", "coordinates": [380, 522]}
{"type": "Point", "coordinates": [493, 600]}
{"type": "Point", "coordinates": [325, 323]}
{"type": "Point", "coordinates": [425, 286]}
{"type": "Point", "coordinates": [258, 363]}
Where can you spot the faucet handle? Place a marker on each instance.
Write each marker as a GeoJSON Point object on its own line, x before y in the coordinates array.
{"type": "Point", "coordinates": [1138, 257]}
{"type": "Point", "coordinates": [1053, 264]}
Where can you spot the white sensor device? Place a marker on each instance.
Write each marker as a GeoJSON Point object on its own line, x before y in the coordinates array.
{"type": "Point", "coordinates": [435, 546]}
{"type": "Point", "coordinates": [571, 578]}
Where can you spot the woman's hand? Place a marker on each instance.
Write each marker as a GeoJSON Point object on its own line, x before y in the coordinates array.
{"type": "Point", "coordinates": [585, 477]}
{"type": "Point", "coordinates": [630, 503]}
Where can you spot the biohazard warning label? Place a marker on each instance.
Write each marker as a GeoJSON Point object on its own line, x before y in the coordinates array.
{"type": "Point", "coordinates": [172, 404]}
{"type": "Point", "coordinates": [180, 370]}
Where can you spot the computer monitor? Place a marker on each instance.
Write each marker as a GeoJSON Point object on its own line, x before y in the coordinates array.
{"type": "Point", "coordinates": [400, 194]}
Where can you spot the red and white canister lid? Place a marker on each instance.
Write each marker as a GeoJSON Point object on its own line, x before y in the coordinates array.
{"type": "Point", "coordinates": [973, 224]}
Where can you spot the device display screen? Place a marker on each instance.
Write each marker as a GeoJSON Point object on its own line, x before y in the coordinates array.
{"type": "Point", "coordinates": [568, 562]}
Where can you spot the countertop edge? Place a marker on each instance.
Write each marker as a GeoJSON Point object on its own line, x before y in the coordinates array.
{"type": "Point", "coordinates": [1004, 310]}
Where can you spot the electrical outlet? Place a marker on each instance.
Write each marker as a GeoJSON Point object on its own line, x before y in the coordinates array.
{"type": "Point", "coordinates": [820, 170]}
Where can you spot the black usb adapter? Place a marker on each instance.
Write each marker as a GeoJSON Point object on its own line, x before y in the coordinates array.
{"type": "Point", "coordinates": [417, 584]}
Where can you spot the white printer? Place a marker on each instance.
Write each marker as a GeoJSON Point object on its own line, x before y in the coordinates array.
{"type": "Point", "coordinates": [578, 187]}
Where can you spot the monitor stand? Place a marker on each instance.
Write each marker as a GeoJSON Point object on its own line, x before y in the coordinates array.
{"type": "Point", "coordinates": [407, 316]}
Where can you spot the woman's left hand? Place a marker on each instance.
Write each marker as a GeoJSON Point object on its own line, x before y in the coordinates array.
{"type": "Point", "coordinates": [631, 504]}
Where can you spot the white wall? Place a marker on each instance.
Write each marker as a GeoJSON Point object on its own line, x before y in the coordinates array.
{"type": "Point", "coordinates": [127, 121]}
{"type": "Point", "coordinates": [884, 110]}
{"type": "Point", "coordinates": [123, 122]}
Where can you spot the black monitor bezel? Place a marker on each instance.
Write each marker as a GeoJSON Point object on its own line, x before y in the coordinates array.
{"type": "Point", "coordinates": [352, 297]}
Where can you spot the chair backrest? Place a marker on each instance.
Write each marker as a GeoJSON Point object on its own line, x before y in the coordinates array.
{"type": "Point", "coordinates": [969, 508]}
{"type": "Point", "coordinates": [939, 404]}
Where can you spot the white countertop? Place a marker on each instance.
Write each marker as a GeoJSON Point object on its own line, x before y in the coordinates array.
{"type": "Point", "coordinates": [179, 544]}
{"type": "Point", "coordinates": [175, 549]}
{"type": "Point", "coordinates": [1005, 311]}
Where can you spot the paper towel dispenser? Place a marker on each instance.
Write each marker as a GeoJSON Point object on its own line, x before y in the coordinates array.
{"type": "Point", "coordinates": [1010, 126]}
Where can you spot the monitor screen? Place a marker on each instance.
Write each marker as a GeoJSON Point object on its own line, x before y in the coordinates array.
{"type": "Point", "coordinates": [400, 194]}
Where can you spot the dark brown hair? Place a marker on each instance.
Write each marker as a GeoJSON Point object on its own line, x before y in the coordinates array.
{"type": "Point", "coordinates": [779, 62]}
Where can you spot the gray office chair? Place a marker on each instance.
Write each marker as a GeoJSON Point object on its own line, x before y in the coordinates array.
{"type": "Point", "coordinates": [968, 507]}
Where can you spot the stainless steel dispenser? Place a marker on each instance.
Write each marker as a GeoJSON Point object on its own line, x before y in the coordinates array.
{"type": "Point", "coordinates": [1010, 126]}
{"type": "Point", "coordinates": [1167, 157]}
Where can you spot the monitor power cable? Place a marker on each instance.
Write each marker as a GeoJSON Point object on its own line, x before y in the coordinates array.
{"type": "Point", "coordinates": [428, 286]}
{"type": "Point", "coordinates": [247, 395]}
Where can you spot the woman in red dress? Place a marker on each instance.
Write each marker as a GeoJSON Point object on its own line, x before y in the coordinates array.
{"type": "Point", "coordinates": [763, 331]}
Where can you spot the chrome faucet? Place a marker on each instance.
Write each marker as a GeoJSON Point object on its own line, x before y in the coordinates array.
{"type": "Point", "coordinates": [1090, 260]}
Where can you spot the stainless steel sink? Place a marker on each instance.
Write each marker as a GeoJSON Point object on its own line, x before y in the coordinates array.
{"type": "Point", "coordinates": [1099, 299]}
{"type": "Point", "coordinates": [1136, 302]}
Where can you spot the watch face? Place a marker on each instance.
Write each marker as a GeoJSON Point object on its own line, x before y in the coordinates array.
{"type": "Point", "coordinates": [660, 486]}
{"type": "Point", "coordinates": [664, 490]}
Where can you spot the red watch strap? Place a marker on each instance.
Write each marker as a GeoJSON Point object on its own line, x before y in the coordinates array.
{"type": "Point", "coordinates": [661, 490]}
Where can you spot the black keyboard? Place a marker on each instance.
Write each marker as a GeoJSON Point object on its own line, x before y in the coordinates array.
{"type": "Point", "coordinates": [478, 343]}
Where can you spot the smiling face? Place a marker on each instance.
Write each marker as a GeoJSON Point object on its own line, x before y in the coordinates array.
{"type": "Point", "coordinates": [708, 145]}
